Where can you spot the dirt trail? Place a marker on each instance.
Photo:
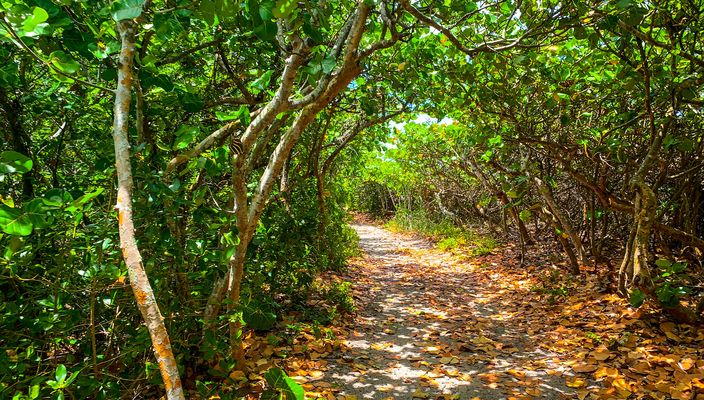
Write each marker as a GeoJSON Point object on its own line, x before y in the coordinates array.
{"type": "Point", "coordinates": [431, 327]}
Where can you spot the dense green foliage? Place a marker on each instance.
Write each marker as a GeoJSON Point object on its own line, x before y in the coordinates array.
{"type": "Point", "coordinates": [255, 124]}
{"type": "Point", "coordinates": [571, 137]}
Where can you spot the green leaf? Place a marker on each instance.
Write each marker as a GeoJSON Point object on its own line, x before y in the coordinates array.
{"type": "Point", "coordinates": [669, 296]}
{"type": "Point", "coordinates": [127, 9]}
{"type": "Point", "coordinates": [266, 10]}
{"type": "Point", "coordinates": [49, 302]}
{"type": "Point", "coordinates": [60, 373]}
{"type": "Point", "coordinates": [243, 115]}
{"type": "Point", "coordinates": [34, 392]}
{"type": "Point", "coordinates": [9, 74]}
{"type": "Point", "coordinates": [227, 8]}
{"type": "Point", "coordinates": [14, 222]}
{"type": "Point", "coordinates": [191, 102]}
{"type": "Point", "coordinates": [270, 395]}
{"type": "Point", "coordinates": [685, 144]}
{"type": "Point", "coordinates": [663, 263]}
{"type": "Point", "coordinates": [277, 379]}
{"type": "Point", "coordinates": [185, 136]}
{"type": "Point", "coordinates": [226, 116]}
{"type": "Point", "coordinates": [53, 384]}
{"type": "Point", "coordinates": [563, 96]}
{"type": "Point", "coordinates": [495, 141]}
{"type": "Point", "coordinates": [38, 16]}
{"type": "Point", "coordinates": [57, 197]}
{"type": "Point", "coordinates": [14, 162]}
{"type": "Point", "coordinates": [313, 32]}
{"type": "Point", "coordinates": [328, 64]}
{"type": "Point", "coordinates": [689, 94]}
{"type": "Point", "coordinates": [637, 298]}
{"type": "Point", "coordinates": [258, 316]}
{"type": "Point", "coordinates": [634, 16]}
{"type": "Point", "coordinates": [624, 3]}
{"type": "Point", "coordinates": [88, 197]}
{"type": "Point", "coordinates": [207, 11]}
{"type": "Point", "coordinates": [64, 62]}
{"type": "Point", "coordinates": [261, 83]}
{"type": "Point", "coordinates": [284, 8]}
{"type": "Point", "coordinates": [73, 375]}
{"type": "Point", "coordinates": [525, 215]}
{"type": "Point", "coordinates": [266, 30]}
{"type": "Point", "coordinates": [36, 212]}
{"type": "Point", "coordinates": [679, 267]}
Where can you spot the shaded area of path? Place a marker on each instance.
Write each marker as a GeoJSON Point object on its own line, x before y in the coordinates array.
{"type": "Point", "coordinates": [432, 326]}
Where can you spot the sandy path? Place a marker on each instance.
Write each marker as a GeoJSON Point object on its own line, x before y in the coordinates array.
{"type": "Point", "coordinates": [431, 327]}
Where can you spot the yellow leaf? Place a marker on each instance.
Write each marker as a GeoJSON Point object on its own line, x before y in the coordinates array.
{"type": "Point", "coordinates": [606, 372]}
{"type": "Point", "coordinates": [575, 382]}
{"type": "Point", "coordinates": [686, 364]}
{"type": "Point", "coordinates": [316, 374]}
{"type": "Point", "coordinates": [516, 373]}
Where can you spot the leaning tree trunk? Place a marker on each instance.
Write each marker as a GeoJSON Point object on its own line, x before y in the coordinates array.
{"type": "Point", "coordinates": [565, 224]}
{"type": "Point", "coordinates": [139, 281]}
{"type": "Point", "coordinates": [503, 198]}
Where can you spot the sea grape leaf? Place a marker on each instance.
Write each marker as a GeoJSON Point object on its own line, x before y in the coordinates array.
{"type": "Point", "coordinates": [127, 9]}
{"type": "Point", "coordinates": [14, 162]}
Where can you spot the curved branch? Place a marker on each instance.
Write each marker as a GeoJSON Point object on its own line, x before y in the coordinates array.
{"type": "Point", "coordinates": [204, 145]}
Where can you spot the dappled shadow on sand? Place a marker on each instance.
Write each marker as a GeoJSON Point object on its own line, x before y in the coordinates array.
{"type": "Point", "coordinates": [436, 325]}
{"type": "Point", "coordinates": [429, 327]}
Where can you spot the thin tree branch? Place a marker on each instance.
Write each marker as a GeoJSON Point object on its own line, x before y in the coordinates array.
{"type": "Point", "coordinates": [16, 39]}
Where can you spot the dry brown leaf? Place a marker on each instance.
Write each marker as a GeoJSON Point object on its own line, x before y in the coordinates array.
{"type": "Point", "coordinates": [601, 354]}
{"type": "Point", "coordinates": [585, 367]}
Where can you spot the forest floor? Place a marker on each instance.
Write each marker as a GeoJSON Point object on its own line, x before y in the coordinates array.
{"type": "Point", "coordinates": [434, 324]}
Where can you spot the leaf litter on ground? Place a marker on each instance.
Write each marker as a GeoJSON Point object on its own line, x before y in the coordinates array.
{"type": "Point", "coordinates": [439, 325]}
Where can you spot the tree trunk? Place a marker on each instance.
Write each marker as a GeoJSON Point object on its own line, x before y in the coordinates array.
{"type": "Point", "coordinates": [146, 302]}
{"type": "Point", "coordinates": [634, 269]}
{"type": "Point", "coordinates": [552, 220]}
{"type": "Point", "coordinates": [503, 198]}
{"type": "Point", "coordinates": [235, 276]}
{"type": "Point", "coordinates": [247, 212]}
{"type": "Point", "coordinates": [546, 194]}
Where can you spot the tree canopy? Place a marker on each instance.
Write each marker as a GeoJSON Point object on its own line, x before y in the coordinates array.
{"type": "Point", "coordinates": [198, 159]}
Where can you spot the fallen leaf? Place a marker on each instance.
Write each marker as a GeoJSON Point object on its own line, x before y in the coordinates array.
{"type": "Point", "coordinates": [575, 382]}
{"type": "Point", "coordinates": [585, 367]}
{"type": "Point", "coordinates": [418, 394]}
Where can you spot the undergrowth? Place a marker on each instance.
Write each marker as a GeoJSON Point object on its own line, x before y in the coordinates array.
{"type": "Point", "coordinates": [447, 235]}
